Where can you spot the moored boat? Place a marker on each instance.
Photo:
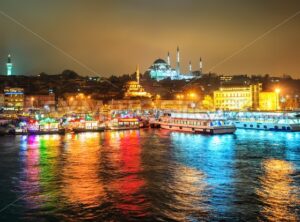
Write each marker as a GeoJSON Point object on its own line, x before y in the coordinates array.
{"type": "Point", "coordinates": [271, 121]}
{"type": "Point", "coordinates": [89, 126]}
{"type": "Point", "coordinates": [44, 126]}
{"type": "Point", "coordinates": [202, 122]}
{"type": "Point", "coordinates": [124, 124]}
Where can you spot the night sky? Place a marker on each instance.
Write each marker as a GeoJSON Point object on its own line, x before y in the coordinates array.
{"type": "Point", "coordinates": [112, 36]}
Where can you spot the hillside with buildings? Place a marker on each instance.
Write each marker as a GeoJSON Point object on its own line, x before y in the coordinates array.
{"type": "Point", "coordinates": [160, 86]}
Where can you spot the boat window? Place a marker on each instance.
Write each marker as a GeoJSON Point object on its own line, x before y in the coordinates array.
{"type": "Point", "coordinates": [193, 129]}
{"type": "Point", "coordinates": [265, 127]}
{"type": "Point", "coordinates": [283, 128]}
{"type": "Point", "coordinates": [180, 127]}
{"type": "Point", "coordinates": [276, 127]}
{"type": "Point", "coordinates": [258, 126]}
{"type": "Point", "coordinates": [288, 128]}
{"type": "Point", "coordinates": [170, 126]}
{"type": "Point", "coordinates": [245, 125]}
{"type": "Point", "coordinates": [251, 125]}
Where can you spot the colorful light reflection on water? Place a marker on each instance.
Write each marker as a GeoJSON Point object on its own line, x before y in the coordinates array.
{"type": "Point", "coordinates": [151, 175]}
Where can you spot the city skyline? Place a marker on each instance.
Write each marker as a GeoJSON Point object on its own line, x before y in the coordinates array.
{"type": "Point", "coordinates": [111, 38]}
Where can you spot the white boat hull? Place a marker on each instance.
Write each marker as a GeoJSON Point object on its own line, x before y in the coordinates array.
{"type": "Point", "coordinates": [202, 130]}
{"type": "Point", "coordinates": [267, 126]}
{"type": "Point", "coordinates": [123, 127]}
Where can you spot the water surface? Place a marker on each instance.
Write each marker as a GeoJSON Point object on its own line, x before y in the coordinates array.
{"type": "Point", "coordinates": [150, 175]}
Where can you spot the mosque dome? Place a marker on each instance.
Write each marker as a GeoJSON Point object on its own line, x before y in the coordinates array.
{"type": "Point", "coordinates": [132, 83]}
{"type": "Point", "coordinates": [159, 61]}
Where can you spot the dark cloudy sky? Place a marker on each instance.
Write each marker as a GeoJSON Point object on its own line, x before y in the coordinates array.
{"type": "Point", "coordinates": [112, 36]}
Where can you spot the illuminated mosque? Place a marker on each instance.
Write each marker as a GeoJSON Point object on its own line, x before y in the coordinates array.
{"type": "Point", "coordinates": [134, 89]}
{"type": "Point", "coordinates": [161, 69]}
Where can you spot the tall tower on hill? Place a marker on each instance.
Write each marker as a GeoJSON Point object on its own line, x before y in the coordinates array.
{"type": "Point", "coordinates": [9, 66]}
{"type": "Point", "coordinates": [138, 74]}
{"type": "Point", "coordinates": [200, 65]}
{"type": "Point", "coordinates": [178, 61]}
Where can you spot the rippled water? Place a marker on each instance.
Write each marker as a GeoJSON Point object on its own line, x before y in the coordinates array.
{"type": "Point", "coordinates": [150, 175]}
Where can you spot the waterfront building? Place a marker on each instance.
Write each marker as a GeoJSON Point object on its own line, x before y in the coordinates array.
{"type": "Point", "coordinates": [178, 104]}
{"type": "Point", "coordinates": [1, 100]}
{"type": "Point", "coordinates": [133, 89]}
{"type": "Point", "coordinates": [237, 97]}
{"type": "Point", "coordinates": [13, 99]}
{"type": "Point", "coordinates": [269, 101]}
{"type": "Point", "coordinates": [125, 104]}
{"type": "Point", "coordinates": [289, 102]}
{"type": "Point", "coordinates": [9, 66]}
{"type": "Point", "coordinates": [40, 102]}
{"type": "Point", "coordinates": [161, 69]}
{"type": "Point", "coordinates": [130, 104]}
{"type": "Point", "coordinates": [78, 103]}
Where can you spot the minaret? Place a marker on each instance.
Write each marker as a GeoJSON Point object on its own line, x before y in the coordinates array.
{"type": "Point", "coordinates": [138, 74]}
{"type": "Point", "coordinates": [178, 61]}
{"type": "Point", "coordinates": [190, 67]}
{"type": "Point", "coordinates": [200, 65]}
{"type": "Point", "coordinates": [9, 66]}
{"type": "Point", "coordinates": [168, 59]}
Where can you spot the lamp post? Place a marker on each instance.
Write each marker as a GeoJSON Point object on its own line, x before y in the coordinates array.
{"type": "Point", "coordinates": [193, 97]}
{"type": "Point", "coordinates": [70, 102]}
{"type": "Point", "coordinates": [32, 101]}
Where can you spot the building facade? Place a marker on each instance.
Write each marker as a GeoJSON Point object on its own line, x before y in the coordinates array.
{"type": "Point", "coordinates": [13, 99]}
{"type": "Point", "coordinates": [130, 104]}
{"type": "Point", "coordinates": [176, 105]}
{"type": "Point", "coordinates": [125, 104]}
{"type": "Point", "coordinates": [40, 102]}
{"type": "Point", "coordinates": [1, 100]}
{"type": "Point", "coordinates": [78, 103]}
{"type": "Point", "coordinates": [237, 97]}
{"type": "Point", "coordinates": [269, 101]}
